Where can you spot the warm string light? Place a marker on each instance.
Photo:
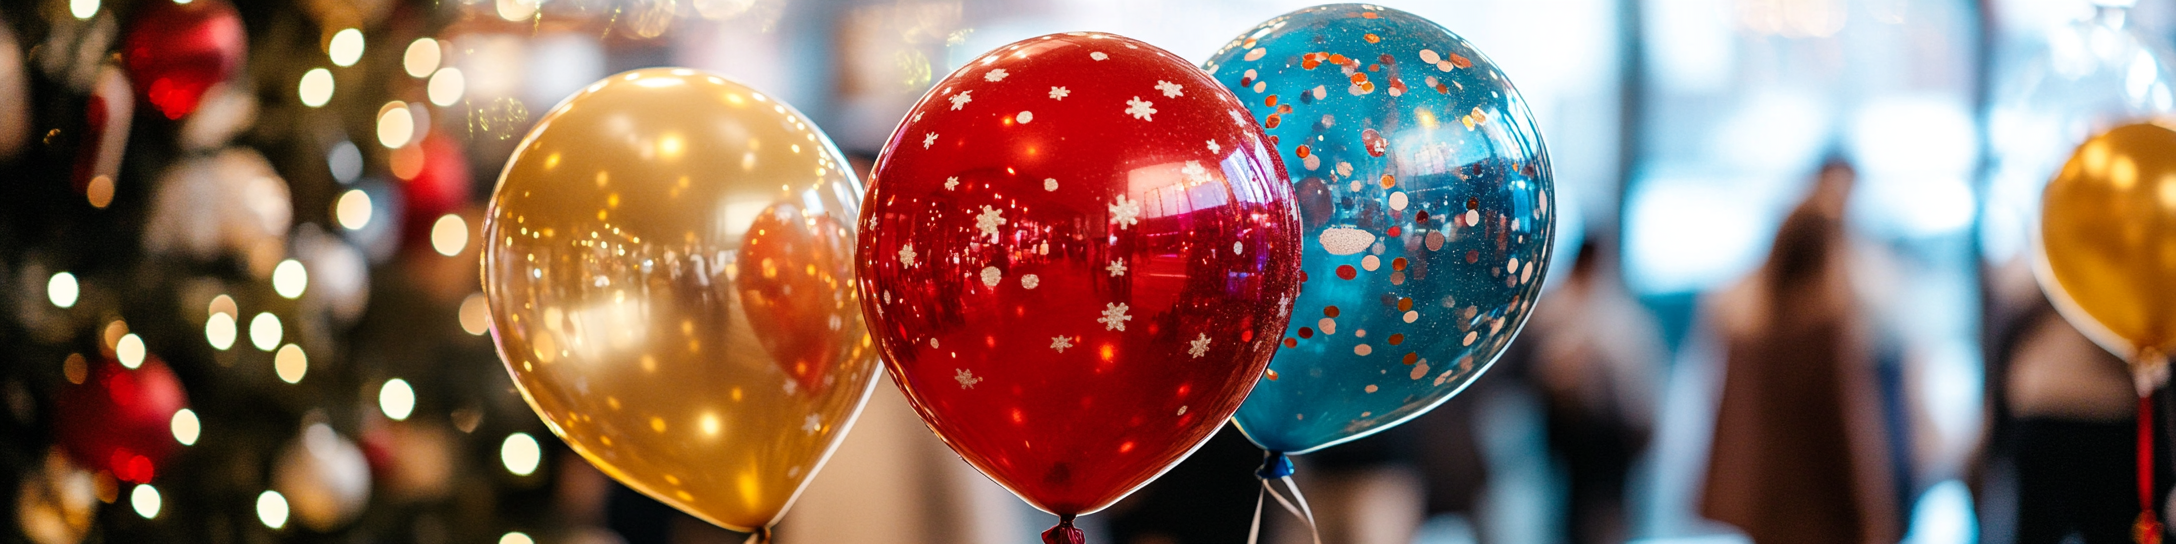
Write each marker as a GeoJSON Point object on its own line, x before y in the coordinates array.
{"type": "Point", "coordinates": [421, 58]}
{"type": "Point", "coordinates": [449, 235]}
{"type": "Point", "coordinates": [346, 47]}
{"type": "Point", "coordinates": [219, 331]}
{"type": "Point", "coordinates": [62, 290]}
{"type": "Point", "coordinates": [291, 363]}
{"type": "Point", "coordinates": [272, 509]}
{"type": "Point", "coordinates": [186, 427]}
{"type": "Point", "coordinates": [521, 454]}
{"type": "Point", "coordinates": [130, 351]}
{"type": "Point", "coordinates": [84, 9]}
{"type": "Point", "coordinates": [316, 87]}
{"type": "Point", "coordinates": [516, 537]}
{"type": "Point", "coordinates": [353, 209]}
{"type": "Point", "coordinates": [290, 278]}
{"type": "Point", "coordinates": [397, 399]}
{"type": "Point", "coordinates": [396, 125]}
{"type": "Point", "coordinates": [446, 86]}
{"type": "Point", "coordinates": [475, 314]}
{"type": "Point", "coordinates": [264, 331]}
{"type": "Point", "coordinates": [146, 501]}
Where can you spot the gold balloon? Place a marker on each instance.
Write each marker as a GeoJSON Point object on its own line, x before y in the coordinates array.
{"type": "Point", "coordinates": [670, 267]}
{"type": "Point", "coordinates": [2108, 239]}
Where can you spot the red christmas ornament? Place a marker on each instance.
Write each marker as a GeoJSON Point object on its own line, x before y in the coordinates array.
{"type": "Point", "coordinates": [175, 52]}
{"type": "Point", "coordinates": [440, 185]}
{"type": "Point", "coordinates": [120, 419]}
{"type": "Point", "coordinates": [1079, 253]}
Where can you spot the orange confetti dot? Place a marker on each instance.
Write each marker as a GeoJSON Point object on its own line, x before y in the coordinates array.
{"type": "Point", "coordinates": [1329, 311]}
{"type": "Point", "coordinates": [1372, 38]}
{"type": "Point", "coordinates": [1337, 59]}
{"type": "Point", "coordinates": [1396, 339]}
{"type": "Point", "coordinates": [1411, 358]}
{"type": "Point", "coordinates": [1389, 181]}
{"type": "Point", "coordinates": [1271, 123]}
{"type": "Point", "coordinates": [1271, 101]}
{"type": "Point", "coordinates": [1359, 78]}
{"type": "Point", "coordinates": [1302, 152]}
{"type": "Point", "coordinates": [1399, 264]}
{"type": "Point", "coordinates": [1460, 61]}
{"type": "Point", "coordinates": [1272, 374]}
{"type": "Point", "coordinates": [1369, 15]}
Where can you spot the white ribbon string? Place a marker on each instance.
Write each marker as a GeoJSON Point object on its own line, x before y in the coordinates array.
{"type": "Point", "coordinates": [1302, 511]}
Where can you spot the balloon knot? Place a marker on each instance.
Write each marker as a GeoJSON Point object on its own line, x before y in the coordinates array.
{"type": "Point", "coordinates": [2146, 530]}
{"type": "Point", "coordinates": [1274, 465]}
{"type": "Point", "coordinates": [1064, 533]}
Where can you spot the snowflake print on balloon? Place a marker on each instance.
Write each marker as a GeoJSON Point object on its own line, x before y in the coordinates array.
{"type": "Point", "coordinates": [1049, 206]}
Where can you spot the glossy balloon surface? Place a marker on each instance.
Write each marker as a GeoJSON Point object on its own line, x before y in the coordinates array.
{"type": "Point", "coordinates": [1425, 193]}
{"type": "Point", "coordinates": [669, 284]}
{"type": "Point", "coordinates": [2108, 238]}
{"type": "Point", "coordinates": [1078, 253]}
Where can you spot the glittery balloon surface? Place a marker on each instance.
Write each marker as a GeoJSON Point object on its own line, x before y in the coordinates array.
{"type": "Point", "coordinates": [1425, 194]}
{"type": "Point", "coordinates": [1079, 252]}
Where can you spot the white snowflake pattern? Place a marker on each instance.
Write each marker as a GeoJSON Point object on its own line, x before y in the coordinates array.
{"type": "Point", "coordinates": [1213, 148]}
{"type": "Point", "coordinates": [951, 182]}
{"type": "Point", "coordinates": [1114, 316]}
{"type": "Point", "coordinates": [966, 378]}
{"type": "Point", "coordinates": [929, 140]}
{"type": "Point", "coordinates": [1098, 55]}
{"type": "Point", "coordinates": [1059, 93]}
{"type": "Point", "coordinates": [1139, 109]}
{"type": "Point", "coordinates": [1125, 213]}
{"type": "Point", "coordinates": [990, 276]}
{"type": "Point", "coordinates": [995, 75]}
{"type": "Point", "coordinates": [1050, 184]}
{"type": "Point", "coordinates": [812, 423]}
{"type": "Point", "coordinates": [1195, 174]}
{"type": "Point", "coordinates": [1116, 268]}
{"type": "Point", "coordinates": [1060, 343]}
{"type": "Point", "coordinates": [906, 254]}
{"type": "Point", "coordinates": [960, 100]}
{"type": "Point", "coordinates": [988, 221]}
{"type": "Point", "coordinates": [1199, 346]}
{"type": "Point", "coordinates": [1030, 281]}
{"type": "Point", "coordinates": [1170, 90]}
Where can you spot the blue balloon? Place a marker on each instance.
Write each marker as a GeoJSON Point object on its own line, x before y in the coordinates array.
{"type": "Point", "coordinates": [1425, 196]}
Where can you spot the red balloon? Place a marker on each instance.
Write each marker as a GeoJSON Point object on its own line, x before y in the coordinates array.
{"type": "Point", "coordinates": [120, 420]}
{"type": "Point", "coordinates": [176, 52]}
{"type": "Point", "coordinates": [1079, 255]}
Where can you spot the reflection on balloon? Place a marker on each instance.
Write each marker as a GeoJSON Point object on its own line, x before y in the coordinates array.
{"type": "Point", "coordinates": [2107, 238]}
{"type": "Point", "coordinates": [1425, 192]}
{"type": "Point", "coordinates": [667, 269]}
{"type": "Point", "coordinates": [1078, 255]}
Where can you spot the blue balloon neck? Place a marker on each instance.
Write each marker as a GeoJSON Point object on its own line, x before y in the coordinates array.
{"type": "Point", "coordinates": [1274, 465]}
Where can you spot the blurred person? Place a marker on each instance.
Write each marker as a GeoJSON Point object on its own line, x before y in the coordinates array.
{"type": "Point", "coordinates": [2063, 436]}
{"type": "Point", "coordinates": [1800, 450]}
{"type": "Point", "coordinates": [1596, 354]}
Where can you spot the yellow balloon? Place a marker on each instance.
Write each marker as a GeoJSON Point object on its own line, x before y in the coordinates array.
{"type": "Point", "coordinates": [2108, 241]}
{"type": "Point", "coordinates": [669, 264]}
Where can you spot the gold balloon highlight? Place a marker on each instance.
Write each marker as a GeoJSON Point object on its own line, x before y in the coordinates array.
{"type": "Point", "coordinates": [2108, 238]}
{"type": "Point", "coordinates": [669, 269]}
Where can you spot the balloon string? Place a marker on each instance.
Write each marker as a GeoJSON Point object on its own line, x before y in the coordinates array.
{"type": "Point", "coordinates": [1276, 466]}
{"type": "Point", "coordinates": [762, 535]}
{"type": "Point", "coordinates": [1064, 532]}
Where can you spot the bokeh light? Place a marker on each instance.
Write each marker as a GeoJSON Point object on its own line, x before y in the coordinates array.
{"type": "Point", "coordinates": [291, 363]}
{"type": "Point", "coordinates": [83, 9]}
{"type": "Point", "coordinates": [146, 501]}
{"type": "Point", "coordinates": [516, 537]}
{"type": "Point", "coordinates": [475, 314]}
{"type": "Point", "coordinates": [396, 125]}
{"type": "Point", "coordinates": [446, 86]}
{"type": "Point", "coordinates": [352, 210]}
{"type": "Point", "coordinates": [290, 278]}
{"type": "Point", "coordinates": [421, 57]}
{"type": "Point", "coordinates": [397, 399]}
{"type": "Point", "coordinates": [449, 235]}
{"type": "Point", "coordinates": [130, 350]}
{"type": "Point", "coordinates": [346, 47]}
{"type": "Point", "coordinates": [219, 331]}
{"type": "Point", "coordinates": [515, 10]}
{"type": "Point", "coordinates": [272, 509]}
{"type": "Point", "coordinates": [521, 454]}
{"type": "Point", "coordinates": [62, 290]}
{"type": "Point", "coordinates": [186, 427]}
{"type": "Point", "coordinates": [316, 88]}
{"type": "Point", "coordinates": [264, 331]}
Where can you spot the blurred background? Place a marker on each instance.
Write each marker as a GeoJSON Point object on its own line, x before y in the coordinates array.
{"type": "Point", "coordinates": [1802, 232]}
